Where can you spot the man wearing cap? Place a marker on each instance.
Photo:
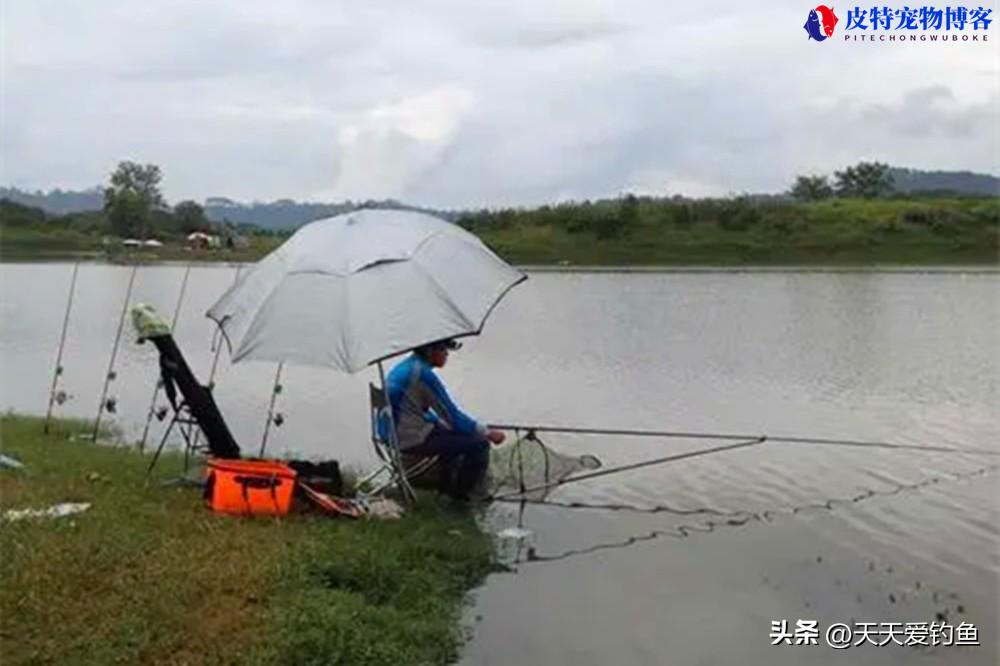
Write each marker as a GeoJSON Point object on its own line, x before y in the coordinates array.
{"type": "Point", "coordinates": [429, 423]}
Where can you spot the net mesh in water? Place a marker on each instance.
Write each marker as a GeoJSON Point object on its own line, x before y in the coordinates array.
{"type": "Point", "coordinates": [528, 463]}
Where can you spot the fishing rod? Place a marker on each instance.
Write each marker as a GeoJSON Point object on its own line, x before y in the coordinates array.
{"type": "Point", "coordinates": [624, 468]}
{"type": "Point", "coordinates": [785, 439]}
{"type": "Point", "coordinates": [277, 419]}
{"type": "Point", "coordinates": [216, 347]}
{"type": "Point", "coordinates": [111, 375]}
{"type": "Point", "coordinates": [58, 371]}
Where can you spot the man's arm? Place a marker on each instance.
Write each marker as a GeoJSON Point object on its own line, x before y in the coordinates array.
{"type": "Point", "coordinates": [445, 408]}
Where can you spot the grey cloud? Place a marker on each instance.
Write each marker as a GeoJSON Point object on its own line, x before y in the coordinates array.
{"type": "Point", "coordinates": [448, 104]}
{"type": "Point", "coordinates": [542, 37]}
{"type": "Point", "coordinates": [929, 111]}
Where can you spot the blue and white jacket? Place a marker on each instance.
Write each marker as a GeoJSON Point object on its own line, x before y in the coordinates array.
{"type": "Point", "coordinates": [420, 402]}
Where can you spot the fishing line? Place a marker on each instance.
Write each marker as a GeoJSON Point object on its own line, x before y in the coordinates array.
{"type": "Point", "coordinates": [216, 347]}
{"type": "Point", "coordinates": [58, 371]}
{"type": "Point", "coordinates": [719, 518]}
{"type": "Point", "coordinates": [629, 508]}
{"type": "Point", "coordinates": [110, 375]}
{"type": "Point", "coordinates": [731, 519]}
{"type": "Point", "coordinates": [159, 380]}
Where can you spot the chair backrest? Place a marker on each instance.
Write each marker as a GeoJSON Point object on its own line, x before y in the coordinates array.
{"type": "Point", "coordinates": [381, 421]}
{"type": "Point", "coordinates": [385, 441]}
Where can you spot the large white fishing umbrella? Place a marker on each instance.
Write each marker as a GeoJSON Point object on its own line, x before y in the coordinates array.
{"type": "Point", "coordinates": [351, 290]}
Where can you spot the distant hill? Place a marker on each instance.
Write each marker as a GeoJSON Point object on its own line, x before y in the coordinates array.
{"type": "Point", "coordinates": [289, 214]}
{"type": "Point", "coordinates": [57, 202]}
{"type": "Point", "coordinates": [282, 214]}
{"type": "Point", "coordinates": [958, 182]}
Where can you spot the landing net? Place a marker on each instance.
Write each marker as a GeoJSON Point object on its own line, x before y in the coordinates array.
{"type": "Point", "coordinates": [533, 468]}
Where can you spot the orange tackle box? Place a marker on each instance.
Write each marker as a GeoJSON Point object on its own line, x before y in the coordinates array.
{"type": "Point", "coordinates": [250, 487]}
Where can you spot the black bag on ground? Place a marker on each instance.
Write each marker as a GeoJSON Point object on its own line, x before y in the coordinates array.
{"type": "Point", "coordinates": [323, 476]}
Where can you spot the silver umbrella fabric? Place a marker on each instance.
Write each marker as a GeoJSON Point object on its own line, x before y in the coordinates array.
{"type": "Point", "coordinates": [353, 289]}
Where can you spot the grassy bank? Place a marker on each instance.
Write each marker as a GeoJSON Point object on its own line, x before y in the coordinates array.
{"type": "Point", "coordinates": [60, 243]}
{"type": "Point", "coordinates": [635, 231]}
{"type": "Point", "coordinates": [148, 575]}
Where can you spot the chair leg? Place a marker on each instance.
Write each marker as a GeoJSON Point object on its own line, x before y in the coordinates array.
{"type": "Point", "coordinates": [189, 446]}
{"type": "Point", "coordinates": [159, 449]}
{"type": "Point", "coordinates": [370, 478]}
{"type": "Point", "coordinates": [409, 494]}
{"type": "Point", "coordinates": [398, 479]}
{"type": "Point", "coordinates": [420, 467]}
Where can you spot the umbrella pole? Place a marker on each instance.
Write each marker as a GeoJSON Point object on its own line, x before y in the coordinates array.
{"type": "Point", "coordinates": [397, 459]}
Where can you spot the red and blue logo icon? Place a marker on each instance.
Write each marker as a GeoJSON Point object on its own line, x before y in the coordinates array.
{"type": "Point", "coordinates": [820, 23]}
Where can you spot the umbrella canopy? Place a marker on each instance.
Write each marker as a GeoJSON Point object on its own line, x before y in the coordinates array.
{"type": "Point", "coordinates": [353, 289]}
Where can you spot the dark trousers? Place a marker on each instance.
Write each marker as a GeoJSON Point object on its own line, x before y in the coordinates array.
{"type": "Point", "coordinates": [463, 459]}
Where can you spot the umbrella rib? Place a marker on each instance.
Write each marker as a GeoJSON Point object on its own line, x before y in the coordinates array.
{"type": "Point", "coordinates": [425, 241]}
{"type": "Point", "coordinates": [240, 351]}
{"type": "Point", "coordinates": [344, 337]}
{"type": "Point", "coordinates": [497, 300]}
{"type": "Point", "coordinates": [317, 271]}
{"type": "Point", "coordinates": [478, 330]}
{"type": "Point", "coordinates": [443, 293]}
{"type": "Point", "coordinates": [472, 241]}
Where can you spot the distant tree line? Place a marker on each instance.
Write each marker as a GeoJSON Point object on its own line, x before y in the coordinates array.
{"type": "Point", "coordinates": [875, 180]}
{"type": "Point", "coordinates": [134, 207]}
{"type": "Point", "coordinates": [641, 217]}
{"type": "Point", "coordinates": [864, 180]}
{"type": "Point", "coordinates": [622, 217]}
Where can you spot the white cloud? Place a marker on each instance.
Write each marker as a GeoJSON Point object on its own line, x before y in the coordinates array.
{"type": "Point", "coordinates": [386, 148]}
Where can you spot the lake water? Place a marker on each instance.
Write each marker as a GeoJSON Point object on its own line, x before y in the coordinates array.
{"type": "Point", "coordinates": [909, 357]}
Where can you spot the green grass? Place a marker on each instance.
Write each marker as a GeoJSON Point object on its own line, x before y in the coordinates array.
{"type": "Point", "coordinates": [741, 232]}
{"type": "Point", "coordinates": [149, 575]}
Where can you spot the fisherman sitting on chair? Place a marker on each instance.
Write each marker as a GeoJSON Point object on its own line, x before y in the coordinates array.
{"type": "Point", "coordinates": [428, 423]}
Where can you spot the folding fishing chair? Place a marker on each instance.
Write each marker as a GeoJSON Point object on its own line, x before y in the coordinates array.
{"type": "Point", "coordinates": [196, 408]}
{"type": "Point", "coordinates": [398, 468]}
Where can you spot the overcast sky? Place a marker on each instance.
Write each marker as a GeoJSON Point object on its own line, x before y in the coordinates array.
{"type": "Point", "coordinates": [475, 103]}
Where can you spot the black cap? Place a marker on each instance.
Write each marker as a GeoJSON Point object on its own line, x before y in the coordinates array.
{"type": "Point", "coordinates": [448, 343]}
